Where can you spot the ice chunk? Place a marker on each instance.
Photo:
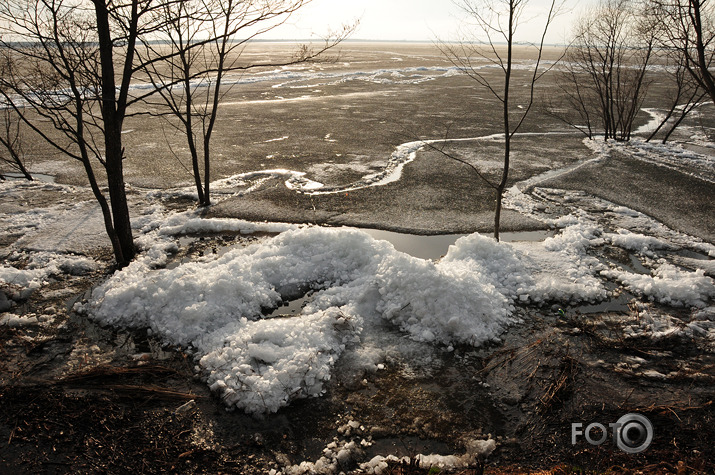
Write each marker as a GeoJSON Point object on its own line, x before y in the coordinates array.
{"type": "Point", "coordinates": [669, 285]}
{"type": "Point", "coordinates": [214, 306]}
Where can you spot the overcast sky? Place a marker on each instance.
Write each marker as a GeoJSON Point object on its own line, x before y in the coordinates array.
{"type": "Point", "coordinates": [413, 20]}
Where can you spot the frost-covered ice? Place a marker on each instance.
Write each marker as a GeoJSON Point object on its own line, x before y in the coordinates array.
{"type": "Point", "coordinates": [214, 306]}
{"type": "Point", "coordinates": [656, 325]}
{"type": "Point", "coordinates": [298, 181]}
{"type": "Point", "coordinates": [592, 223]}
{"type": "Point", "coordinates": [668, 285]}
{"type": "Point", "coordinates": [389, 171]}
{"type": "Point", "coordinates": [258, 365]}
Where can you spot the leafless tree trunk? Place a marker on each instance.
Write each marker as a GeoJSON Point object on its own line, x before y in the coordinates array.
{"type": "Point", "coordinates": [50, 71]}
{"type": "Point", "coordinates": [497, 22]}
{"type": "Point", "coordinates": [72, 62]}
{"type": "Point", "coordinates": [572, 106]}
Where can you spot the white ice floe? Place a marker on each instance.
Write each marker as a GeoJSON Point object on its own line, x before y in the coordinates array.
{"type": "Point", "coordinates": [636, 241]}
{"type": "Point", "coordinates": [261, 365]}
{"type": "Point", "coordinates": [335, 456]}
{"type": "Point", "coordinates": [668, 284]}
{"type": "Point", "coordinates": [397, 76]}
{"type": "Point", "coordinates": [190, 223]}
{"type": "Point", "coordinates": [214, 306]}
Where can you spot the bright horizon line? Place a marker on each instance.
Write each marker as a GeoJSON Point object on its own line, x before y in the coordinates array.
{"type": "Point", "coordinates": [368, 40]}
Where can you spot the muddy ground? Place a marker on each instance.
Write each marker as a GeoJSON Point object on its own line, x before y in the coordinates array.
{"type": "Point", "coordinates": [79, 398]}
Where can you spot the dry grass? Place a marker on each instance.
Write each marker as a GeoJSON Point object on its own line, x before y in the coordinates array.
{"type": "Point", "coordinates": [114, 378]}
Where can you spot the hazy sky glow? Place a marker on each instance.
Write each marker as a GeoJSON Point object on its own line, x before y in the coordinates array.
{"type": "Point", "coordinates": [413, 20]}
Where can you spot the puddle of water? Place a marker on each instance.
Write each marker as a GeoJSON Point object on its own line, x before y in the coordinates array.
{"type": "Point", "coordinates": [291, 307]}
{"type": "Point", "coordinates": [435, 246]}
{"type": "Point", "coordinates": [424, 247]}
{"type": "Point", "coordinates": [637, 266]}
{"type": "Point", "coordinates": [37, 176]}
{"type": "Point", "coordinates": [692, 254]}
{"type": "Point", "coordinates": [617, 305]}
{"type": "Point", "coordinates": [633, 265]}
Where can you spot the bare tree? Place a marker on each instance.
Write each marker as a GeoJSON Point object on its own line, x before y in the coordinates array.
{"type": "Point", "coordinates": [606, 66]}
{"type": "Point", "coordinates": [190, 76]}
{"type": "Point", "coordinates": [574, 105]}
{"type": "Point", "coordinates": [496, 22]}
{"type": "Point", "coordinates": [687, 27]}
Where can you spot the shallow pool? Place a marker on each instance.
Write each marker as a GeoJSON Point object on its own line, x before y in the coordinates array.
{"type": "Point", "coordinates": [435, 246]}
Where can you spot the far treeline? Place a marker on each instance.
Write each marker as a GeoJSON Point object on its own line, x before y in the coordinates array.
{"type": "Point", "coordinates": [72, 64]}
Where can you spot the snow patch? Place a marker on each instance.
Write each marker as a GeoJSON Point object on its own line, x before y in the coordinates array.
{"type": "Point", "coordinates": [214, 307]}
{"type": "Point", "coordinates": [668, 285]}
{"type": "Point", "coordinates": [41, 265]}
